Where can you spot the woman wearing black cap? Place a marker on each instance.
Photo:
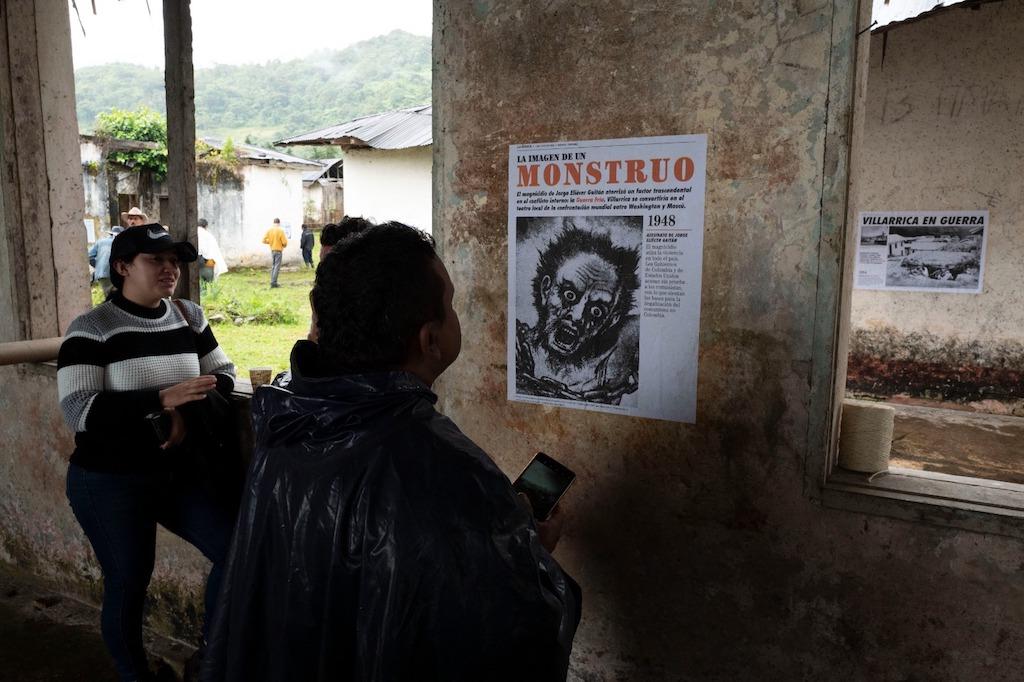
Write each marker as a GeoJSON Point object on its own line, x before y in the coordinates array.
{"type": "Point", "coordinates": [135, 355]}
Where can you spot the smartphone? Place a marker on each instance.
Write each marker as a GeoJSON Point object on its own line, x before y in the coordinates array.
{"type": "Point", "coordinates": [544, 481]}
{"type": "Point", "coordinates": [161, 423]}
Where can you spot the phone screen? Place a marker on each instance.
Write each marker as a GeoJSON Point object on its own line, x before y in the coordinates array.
{"type": "Point", "coordinates": [544, 481]}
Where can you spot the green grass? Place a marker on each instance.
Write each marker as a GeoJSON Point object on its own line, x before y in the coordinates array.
{"type": "Point", "coordinates": [282, 314]}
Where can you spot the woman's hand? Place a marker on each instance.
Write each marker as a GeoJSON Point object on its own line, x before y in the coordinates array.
{"type": "Point", "coordinates": [177, 430]}
{"type": "Point", "coordinates": [187, 391]}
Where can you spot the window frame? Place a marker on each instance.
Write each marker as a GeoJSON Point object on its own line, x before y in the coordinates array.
{"type": "Point", "coordinates": [981, 505]}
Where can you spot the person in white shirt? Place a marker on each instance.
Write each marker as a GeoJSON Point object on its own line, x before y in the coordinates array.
{"type": "Point", "coordinates": [209, 250]}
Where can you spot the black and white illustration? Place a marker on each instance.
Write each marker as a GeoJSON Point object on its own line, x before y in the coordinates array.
{"type": "Point", "coordinates": [577, 308]}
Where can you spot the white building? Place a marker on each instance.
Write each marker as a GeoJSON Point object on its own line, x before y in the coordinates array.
{"type": "Point", "coordinates": [241, 203]}
{"type": "Point", "coordinates": [387, 164]}
{"type": "Point", "coordinates": [239, 198]}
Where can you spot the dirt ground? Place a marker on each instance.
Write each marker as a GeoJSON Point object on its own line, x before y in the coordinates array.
{"type": "Point", "coordinates": [959, 442]}
{"type": "Point", "coordinates": [48, 637]}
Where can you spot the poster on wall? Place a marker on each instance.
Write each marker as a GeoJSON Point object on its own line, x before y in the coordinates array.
{"type": "Point", "coordinates": [937, 251]}
{"type": "Point", "coordinates": [605, 242]}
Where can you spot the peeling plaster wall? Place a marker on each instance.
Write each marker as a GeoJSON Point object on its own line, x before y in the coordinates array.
{"type": "Point", "coordinates": [944, 130]}
{"type": "Point", "coordinates": [220, 198]}
{"type": "Point", "coordinates": [699, 551]}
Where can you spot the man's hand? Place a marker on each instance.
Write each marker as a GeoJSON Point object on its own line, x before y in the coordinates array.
{"type": "Point", "coordinates": [177, 430]}
{"type": "Point", "coordinates": [187, 391]}
{"type": "Point", "coordinates": [550, 530]}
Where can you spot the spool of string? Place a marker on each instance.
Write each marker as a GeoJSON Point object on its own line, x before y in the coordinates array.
{"type": "Point", "coordinates": [865, 436]}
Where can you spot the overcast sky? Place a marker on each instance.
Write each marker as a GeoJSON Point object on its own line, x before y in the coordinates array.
{"type": "Point", "coordinates": [238, 31]}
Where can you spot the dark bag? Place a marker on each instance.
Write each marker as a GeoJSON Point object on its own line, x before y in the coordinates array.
{"type": "Point", "coordinates": [212, 448]}
{"type": "Point", "coordinates": [211, 445]}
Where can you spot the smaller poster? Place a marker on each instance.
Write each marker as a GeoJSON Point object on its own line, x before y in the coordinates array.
{"type": "Point", "coordinates": [937, 251]}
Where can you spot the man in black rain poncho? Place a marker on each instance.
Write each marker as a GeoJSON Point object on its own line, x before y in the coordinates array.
{"type": "Point", "coordinates": [376, 542]}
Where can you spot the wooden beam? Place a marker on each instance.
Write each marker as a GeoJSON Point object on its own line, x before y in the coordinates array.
{"type": "Point", "coordinates": [13, 289]}
{"type": "Point", "coordinates": [63, 162]}
{"type": "Point", "coordinates": [181, 134]}
{"type": "Point", "coordinates": [36, 258]}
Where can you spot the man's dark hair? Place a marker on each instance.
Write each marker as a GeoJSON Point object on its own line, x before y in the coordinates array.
{"type": "Point", "coordinates": [372, 295]}
{"type": "Point", "coordinates": [349, 225]}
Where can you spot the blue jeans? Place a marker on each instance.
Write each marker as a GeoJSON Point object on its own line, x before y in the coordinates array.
{"type": "Point", "coordinates": [119, 513]}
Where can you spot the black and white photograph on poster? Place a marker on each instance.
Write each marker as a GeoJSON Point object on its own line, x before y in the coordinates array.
{"type": "Point", "coordinates": [873, 235]}
{"type": "Point", "coordinates": [577, 324]}
{"type": "Point", "coordinates": [605, 247]}
{"type": "Point", "coordinates": [936, 251]}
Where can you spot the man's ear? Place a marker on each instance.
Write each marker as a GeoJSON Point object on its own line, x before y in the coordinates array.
{"type": "Point", "coordinates": [427, 341]}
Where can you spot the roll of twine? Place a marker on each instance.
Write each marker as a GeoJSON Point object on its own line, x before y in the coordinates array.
{"type": "Point", "coordinates": [865, 436]}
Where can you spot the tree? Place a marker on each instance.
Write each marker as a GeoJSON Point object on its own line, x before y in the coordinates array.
{"type": "Point", "coordinates": [142, 124]}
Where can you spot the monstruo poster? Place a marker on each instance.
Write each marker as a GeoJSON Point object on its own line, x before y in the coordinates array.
{"type": "Point", "coordinates": [605, 241]}
{"type": "Point", "coordinates": [936, 251]}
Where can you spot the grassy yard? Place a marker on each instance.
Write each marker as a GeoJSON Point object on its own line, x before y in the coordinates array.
{"type": "Point", "coordinates": [282, 315]}
{"type": "Point", "coordinates": [272, 320]}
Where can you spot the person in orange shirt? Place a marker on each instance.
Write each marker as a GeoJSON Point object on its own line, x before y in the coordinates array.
{"type": "Point", "coordinates": [275, 238]}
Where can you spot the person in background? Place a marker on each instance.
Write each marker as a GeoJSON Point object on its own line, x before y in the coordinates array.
{"type": "Point", "coordinates": [209, 250]}
{"type": "Point", "coordinates": [376, 542]}
{"type": "Point", "coordinates": [334, 233]}
{"type": "Point", "coordinates": [306, 245]}
{"type": "Point", "coordinates": [133, 217]}
{"type": "Point", "coordinates": [99, 259]}
{"type": "Point", "coordinates": [133, 375]}
{"type": "Point", "coordinates": [276, 240]}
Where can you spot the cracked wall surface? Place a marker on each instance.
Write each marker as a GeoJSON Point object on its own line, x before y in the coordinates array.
{"type": "Point", "coordinates": [699, 551]}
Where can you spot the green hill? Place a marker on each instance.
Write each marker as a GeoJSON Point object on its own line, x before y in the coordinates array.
{"type": "Point", "coordinates": [265, 102]}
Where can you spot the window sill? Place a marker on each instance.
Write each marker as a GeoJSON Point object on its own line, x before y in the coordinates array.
{"type": "Point", "coordinates": [921, 496]}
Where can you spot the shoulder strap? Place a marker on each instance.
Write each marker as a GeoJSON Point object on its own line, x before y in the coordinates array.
{"type": "Point", "coordinates": [181, 308]}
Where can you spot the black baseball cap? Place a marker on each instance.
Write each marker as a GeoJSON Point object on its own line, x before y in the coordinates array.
{"type": "Point", "coordinates": [152, 238]}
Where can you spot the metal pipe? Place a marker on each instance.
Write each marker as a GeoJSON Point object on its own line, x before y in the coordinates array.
{"type": "Point", "coordinates": [36, 350]}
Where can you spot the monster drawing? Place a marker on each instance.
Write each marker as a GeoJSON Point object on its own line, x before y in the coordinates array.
{"type": "Point", "coordinates": [585, 345]}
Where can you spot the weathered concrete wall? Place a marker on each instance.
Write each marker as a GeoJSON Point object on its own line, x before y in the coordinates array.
{"type": "Point", "coordinates": [38, 531]}
{"type": "Point", "coordinates": [699, 551]}
{"type": "Point", "coordinates": [270, 192]}
{"type": "Point", "coordinates": [94, 181]}
{"type": "Point", "coordinates": [389, 184]}
{"type": "Point", "coordinates": [944, 130]}
{"type": "Point", "coordinates": [323, 202]}
{"type": "Point", "coordinates": [220, 197]}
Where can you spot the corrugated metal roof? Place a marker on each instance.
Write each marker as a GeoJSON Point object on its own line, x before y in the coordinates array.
{"type": "Point", "coordinates": [312, 176]}
{"type": "Point", "coordinates": [399, 129]}
{"type": "Point", "coordinates": [247, 151]}
{"type": "Point", "coordinates": [886, 13]}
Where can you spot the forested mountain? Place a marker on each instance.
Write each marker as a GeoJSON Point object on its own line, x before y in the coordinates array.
{"type": "Point", "coordinates": [266, 102]}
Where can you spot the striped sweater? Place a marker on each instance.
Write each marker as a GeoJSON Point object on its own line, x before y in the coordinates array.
{"type": "Point", "coordinates": [113, 363]}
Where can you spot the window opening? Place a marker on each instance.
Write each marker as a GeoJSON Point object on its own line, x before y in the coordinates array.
{"type": "Point", "coordinates": [248, 97]}
{"type": "Point", "coordinates": [942, 132]}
